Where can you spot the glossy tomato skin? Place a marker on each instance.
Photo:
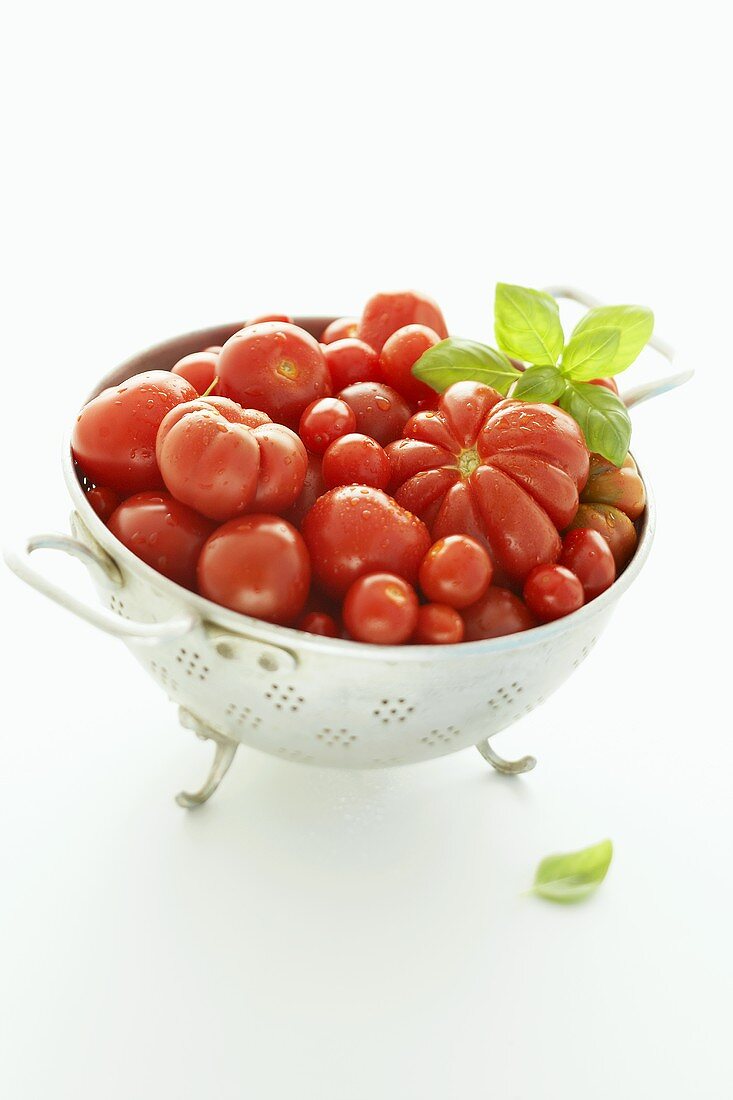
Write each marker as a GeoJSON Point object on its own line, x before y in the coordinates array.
{"type": "Point", "coordinates": [619, 486]}
{"type": "Point", "coordinates": [497, 613]}
{"type": "Point", "coordinates": [381, 412]}
{"type": "Point", "coordinates": [356, 460]}
{"type": "Point", "coordinates": [607, 383]}
{"type": "Point", "coordinates": [283, 467]}
{"type": "Point", "coordinates": [586, 553]}
{"type": "Point", "coordinates": [552, 592]}
{"type": "Point", "coordinates": [163, 533]}
{"type": "Point", "coordinates": [230, 410]}
{"type": "Point", "coordinates": [399, 355]}
{"type": "Point", "coordinates": [385, 313]}
{"type": "Point", "coordinates": [615, 526]}
{"type": "Point", "coordinates": [343, 328]}
{"type": "Point", "coordinates": [113, 440]}
{"type": "Point", "coordinates": [257, 565]}
{"type": "Point", "coordinates": [323, 421]}
{"type": "Point", "coordinates": [313, 487]}
{"type": "Point", "coordinates": [351, 361]}
{"type": "Point", "coordinates": [199, 369]}
{"type": "Point", "coordinates": [319, 622]}
{"type": "Point", "coordinates": [354, 530]}
{"type": "Point", "coordinates": [456, 571]}
{"type": "Point", "coordinates": [103, 501]}
{"type": "Point", "coordinates": [381, 608]}
{"type": "Point", "coordinates": [276, 367]}
{"type": "Point", "coordinates": [438, 624]}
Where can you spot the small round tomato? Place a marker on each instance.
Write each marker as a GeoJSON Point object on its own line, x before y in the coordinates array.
{"type": "Point", "coordinates": [273, 366]}
{"type": "Point", "coordinates": [438, 624]}
{"type": "Point", "coordinates": [313, 487]}
{"type": "Point", "coordinates": [199, 369]}
{"type": "Point", "coordinates": [385, 313]}
{"type": "Point", "coordinates": [319, 622]}
{"type": "Point", "coordinates": [264, 317]}
{"type": "Point", "coordinates": [615, 526]}
{"type": "Point", "coordinates": [343, 328]}
{"type": "Point", "coordinates": [114, 436]}
{"type": "Point", "coordinates": [497, 613]}
{"type": "Point", "coordinates": [586, 553]}
{"type": "Point", "coordinates": [103, 501]}
{"type": "Point", "coordinates": [257, 565]}
{"type": "Point", "coordinates": [356, 460]}
{"type": "Point", "coordinates": [552, 591]}
{"type": "Point", "coordinates": [323, 421]}
{"type": "Point", "coordinates": [351, 361]}
{"type": "Point", "coordinates": [381, 412]}
{"type": "Point", "coordinates": [607, 383]}
{"type": "Point", "coordinates": [381, 608]}
{"type": "Point", "coordinates": [283, 466]}
{"type": "Point", "coordinates": [355, 530]}
{"type": "Point", "coordinates": [399, 355]}
{"type": "Point", "coordinates": [163, 533]}
{"type": "Point", "coordinates": [456, 570]}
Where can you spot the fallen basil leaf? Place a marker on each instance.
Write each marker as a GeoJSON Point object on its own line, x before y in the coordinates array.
{"type": "Point", "coordinates": [527, 324]}
{"type": "Point", "coordinates": [540, 384]}
{"type": "Point", "coordinates": [603, 418]}
{"type": "Point", "coordinates": [589, 354]}
{"type": "Point", "coordinates": [636, 324]}
{"type": "Point", "coordinates": [573, 876]}
{"type": "Point", "coordinates": [459, 360]}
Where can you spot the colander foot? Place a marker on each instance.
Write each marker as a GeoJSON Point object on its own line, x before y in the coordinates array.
{"type": "Point", "coordinates": [506, 767]}
{"type": "Point", "coordinates": [223, 756]}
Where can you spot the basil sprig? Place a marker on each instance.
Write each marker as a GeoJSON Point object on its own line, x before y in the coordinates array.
{"type": "Point", "coordinates": [572, 877]}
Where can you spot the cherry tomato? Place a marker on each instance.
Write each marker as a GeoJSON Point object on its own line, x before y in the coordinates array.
{"type": "Point", "coordinates": [163, 533]}
{"type": "Point", "coordinates": [283, 466]}
{"type": "Point", "coordinates": [343, 328]}
{"type": "Point", "coordinates": [323, 421]}
{"type": "Point", "coordinates": [607, 383]}
{"type": "Point", "coordinates": [103, 501]}
{"type": "Point", "coordinates": [313, 487]}
{"type": "Point", "coordinates": [355, 530]}
{"type": "Point", "coordinates": [264, 317]}
{"type": "Point", "coordinates": [399, 355]}
{"type": "Point", "coordinates": [351, 361]}
{"type": "Point", "coordinates": [615, 526]}
{"type": "Point", "coordinates": [586, 553]}
{"type": "Point", "coordinates": [385, 313]}
{"type": "Point", "coordinates": [257, 565]}
{"type": "Point", "coordinates": [552, 591]}
{"type": "Point", "coordinates": [438, 624]}
{"type": "Point", "coordinates": [620, 486]}
{"type": "Point", "coordinates": [114, 436]}
{"type": "Point", "coordinates": [356, 460]}
{"type": "Point", "coordinates": [319, 622]}
{"type": "Point", "coordinates": [273, 366]}
{"type": "Point", "coordinates": [199, 369]}
{"type": "Point", "coordinates": [381, 608]}
{"type": "Point", "coordinates": [456, 571]}
{"type": "Point", "coordinates": [497, 613]}
{"type": "Point", "coordinates": [381, 412]}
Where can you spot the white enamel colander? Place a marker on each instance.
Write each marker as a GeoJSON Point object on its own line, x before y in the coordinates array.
{"type": "Point", "coordinates": [316, 700]}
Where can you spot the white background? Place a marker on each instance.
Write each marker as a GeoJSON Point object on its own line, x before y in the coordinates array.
{"type": "Point", "coordinates": [339, 936]}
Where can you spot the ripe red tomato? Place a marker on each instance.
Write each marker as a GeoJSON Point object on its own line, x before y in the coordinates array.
{"type": "Point", "coordinates": [608, 383]}
{"type": "Point", "coordinates": [323, 421]}
{"type": "Point", "coordinates": [103, 501]}
{"type": "Point", "coordinates": [355, 530]}
{"type": "Point", "coordinates": [313, 487]}
{"type": "Point", "coordinates": [586, 553]}
{"type": "Point", "coordinates": [199, 369]}
{"type": "Point", "coordinates": [343, 328]}
{"type": "Point", "coordinates": [163, 533]}
{"type": "Point", "coordinates": [552, 591]}
{"type": "Point", "coordinates": [380, 608]}
{"type": "Point", "coordinates": [399, 355]}
{"type": "Point", "coordinates": [273, 366]}
{"type": "Point", "coordinates": [351, 361]}
{"type": "Point", "coordinates": [356, 460]}
{"type": "Point", "coordinates": [381, 412]}
{"type": "Point", "coordinates": [283, 466]}
{"type": "Point", "coordinates": [615, 526]}
{"type": "Point", "coordinates": [230, 410]}
{"type": "Point", "coordinates": [438, 624]}
{"type": "Point", "coordinates": [497, 613]}
{"type": "Point", "coordinates": [456, 571]}
{"type": "Point", "coordinates": [257, 565]}
{"type": "Point", "coordinates": [319, 622]}
{"type": "Point", "coordinates": [385, 313]}
{"type": "Point", "coordinates": [114, 436]}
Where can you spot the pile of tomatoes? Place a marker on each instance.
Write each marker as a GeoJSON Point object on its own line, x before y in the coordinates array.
{"type": "Point", "coordinates": [317, 483]}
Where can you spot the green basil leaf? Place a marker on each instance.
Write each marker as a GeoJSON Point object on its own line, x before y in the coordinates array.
{"type": "Point", "coordinates": [459, 360]}
{"type": "Point", "coordinates": [636, 324]}
{"type": "Point", "coordinates": [602, 416]}
{"type": "Point", "coordinates": [540, 384]}
{"type": "Point", "coordinates": [527, 324]}
{"type": "Point", "coordinates": [572, 877]}
{"type": "Point", "coordinates": [589, 354]}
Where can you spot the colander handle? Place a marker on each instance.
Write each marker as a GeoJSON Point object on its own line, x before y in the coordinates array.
{"type": "Point", "coordinates": [106, 572]}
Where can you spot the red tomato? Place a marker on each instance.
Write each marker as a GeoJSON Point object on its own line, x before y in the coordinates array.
{"type": "Point", "coordinates": [264, 317]}
{"type": "Point", "coordinates": [615, 526]}
{"type": "Point", "coordinates": [257, 565]}
{"type": "Point", "coordinates": [497, 613]}
{"type": "Point", "coordinates": [273, 366]}
{"type": "Point", "coordinates": [163, 533]}
{"type": "Point", "coordinates": [438, 624]}
{"type": "Point", "coordinates": [356, 460]}
{"type": "Point", "coordinates": [319, 622]}
{"type": "Point", "coordinates": [283, 466]}
{"type": "Point", "coordinates": [552, 591]}
{"type": "Point", "coordinates": [103, 501]}
{"type": "Point", "coordinates": [620, 486]}
{"type": "Point", "coordinates": [608, 383]}
{"type": "Point", "coordinates": [199, 369]}
{"type": "Point", "coordinates": [398, 357]}
{"type": "Point", "coordinates": [230, 410]}
{"type": "Point", "coordinates": [380, 608]}
{"type": "Point", "coordinates": [385, 313]}
{"type": "Point", "coordinates": [381, 412]}
{"type": "Point", "coordinates": [323, 421]}
{"type": "Point", "coordinates": [313, 487]}
{"type": "Point", "coordinates": [456, 571]}
{"type": "Point", "coordinates": [586, 553]}
{"type": "Point", "coordinates": [343, 328]}
{"type": "Point", "coordinates": [114, 436]}
{"type": "Point", "coordinates": [355, 530]}
{"type": "Point", "coordinates": [351, 361]}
